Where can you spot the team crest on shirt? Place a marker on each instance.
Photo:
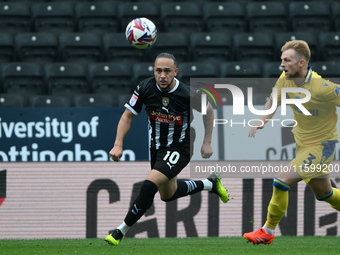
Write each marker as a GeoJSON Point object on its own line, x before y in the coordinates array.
{"type": "Point", "coordinates": [165, 101]}
{"type": "Point", "coordinates": [336, 91]}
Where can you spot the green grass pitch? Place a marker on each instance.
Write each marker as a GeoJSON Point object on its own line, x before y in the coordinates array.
{"type": "Point", "coordinates": [168, 246]}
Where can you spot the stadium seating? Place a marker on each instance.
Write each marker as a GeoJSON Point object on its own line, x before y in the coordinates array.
{"type": "Point", "coordinates": [329, 46]}
{"type": "Point", "coordinates": [228, 17]}
{"type": "Point", "coordinates": [110, 78]}
{"type": "Point", "coordinates": [309, 37]}
{"type": "Point", "coordinates": [49, 101]}
{"type": "Point", "coordinates": [310, 16]}
{"type": "Point", "coordinates": [243, 75]}
{"type": "Point", "coordinates": [96, 17]}
{"type": "Point", "coordinates": [141, 71]}
{"type": "Point", "coordinates": [335, 12]}
{"type": "Point", "coordinates": [66, 79]}
{"type": "Point", "coordinates": [93, 100]}
{"type": "Point", "coordinates": [240, 69]}
{"type": "Point", "coordinates": [11, 100]}
{"type": "Point", "coordinates": [91, 34]}
{"type": "Point", "coordinates": [267, 17]}
{"type": "Point", "coordinates": [128, 11]}
{"type": "Point", "coordinates": [7, 51]}
{"type": "Point", "coordinates": [36, 47]}
{"type": "Point", "coordinates": [80, 47]}
{"type": "Point", "coordinates": [326, 69]}
{"type": "Point", "coordinates": [211, 46]}
{"type": "Point", "coordinates": [122, 99]}
{"type": "Point", "coordinates": [155, 2]}
{"type": "Point", "coordinates": [272, 69]}
{"type": "Point", "coordinates": [253, 47]}
{"type": "Point", "coordinates": [181, 17]}
{"type": "Point", "coordinates": [174, 43]}
{"type": "Point", "coordinates": [23, 78]}
{"type": "Point", "coordinates": [15, 17]}
{"type": "Point", "coordinates": [117, 48]}
{"type": "Point", "coordinates": [187, 70]}
{"type": "Point", "coordinates": [53, 17]}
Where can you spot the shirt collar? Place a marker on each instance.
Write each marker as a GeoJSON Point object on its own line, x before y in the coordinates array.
{"type": "Point", "coordinates": [307, 78]}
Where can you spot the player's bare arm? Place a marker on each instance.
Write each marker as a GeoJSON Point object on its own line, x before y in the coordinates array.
{"type": "Point", "coordinates": [263, 119]}
{"type": "Point", "coordinates": [208, 121]}
{"type": "Point", "coordinates": [122, 129]}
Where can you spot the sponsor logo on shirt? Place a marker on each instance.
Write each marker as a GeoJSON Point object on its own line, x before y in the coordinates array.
{"type": "Point", "coordinates": [336, 91]}
{"type": "Point", "coordinates": [133, 100]}
{"type": "Point", "coordinates": [165, 117]}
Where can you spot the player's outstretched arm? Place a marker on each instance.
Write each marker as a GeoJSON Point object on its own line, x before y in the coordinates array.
{"type": "Point", "coordinates": [122, 129]}
{"type": "Point", "coordinates": [263, 119]}
{"type": "Point", "coordinates": [208, 121]}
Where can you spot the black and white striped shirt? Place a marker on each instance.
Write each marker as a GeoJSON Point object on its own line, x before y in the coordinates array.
{"type": "Point", "coordinates": [169, 113]}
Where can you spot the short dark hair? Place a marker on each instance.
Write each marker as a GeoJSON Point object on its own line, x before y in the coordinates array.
{"type": "Point", "coordinates": [167, 55]}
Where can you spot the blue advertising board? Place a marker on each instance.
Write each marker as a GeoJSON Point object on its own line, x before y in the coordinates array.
{"type": "Point", "coordinates": [68, 134]}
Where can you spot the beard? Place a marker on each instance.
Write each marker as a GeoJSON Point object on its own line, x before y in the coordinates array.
{"type": "Point", "coordinates": [293, 75]}
{"type": "Point", "coordinates": [167, 86]}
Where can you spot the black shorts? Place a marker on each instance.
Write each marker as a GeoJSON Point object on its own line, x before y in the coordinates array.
{"type": "Point", "coordinates": [169, 161]}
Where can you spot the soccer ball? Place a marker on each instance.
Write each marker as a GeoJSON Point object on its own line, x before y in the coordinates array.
{"type": "Point", "coordinates": [141, 33]}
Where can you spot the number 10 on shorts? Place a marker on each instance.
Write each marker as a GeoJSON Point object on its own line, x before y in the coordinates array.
{"type": "Point", "coordinates": [172, 157]}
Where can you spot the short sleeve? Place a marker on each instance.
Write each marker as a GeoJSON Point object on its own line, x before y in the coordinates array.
{"type": "Point", "coordinates": [135, 103]}
{"type": "Point", "coordinates": [329, 92]}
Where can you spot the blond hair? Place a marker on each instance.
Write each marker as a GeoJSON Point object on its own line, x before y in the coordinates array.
{"type": "Point", "coordinates": [301, 48]}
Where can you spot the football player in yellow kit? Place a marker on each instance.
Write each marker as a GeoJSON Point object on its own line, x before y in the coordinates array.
{"type": "Point", "coordinates": [315, 136]}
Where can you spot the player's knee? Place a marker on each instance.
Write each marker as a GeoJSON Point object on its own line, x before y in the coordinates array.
{"type": "Point", "coordinates": [333, 198]}
{"type": "Point", "coordinates": [148, 188]}
{"type": "Point", "coordinates": [167, 198]}
{"type": "Point", "coordinates": [336, 207]}
{"type": "Point", "coordinates": [327, 196]}
{"type": "Point", "coordinates": [147, 193]}
{"type": "Point", "coordinates": [281, 185]}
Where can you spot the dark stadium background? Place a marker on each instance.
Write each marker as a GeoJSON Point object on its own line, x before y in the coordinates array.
{"type": "Point", "coordinates": [70, 60]}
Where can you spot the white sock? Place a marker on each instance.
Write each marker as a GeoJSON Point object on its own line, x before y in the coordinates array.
{"type": "Point", "coordinates": [268, 230]}
{"type": "Point", "coordinates": [207, 185]}
{"type": "Point", "coordinates": [123, 228]}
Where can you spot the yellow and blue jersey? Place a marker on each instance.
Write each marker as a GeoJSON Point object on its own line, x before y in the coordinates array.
{"type": "Point", "coordinates": [320, 126]}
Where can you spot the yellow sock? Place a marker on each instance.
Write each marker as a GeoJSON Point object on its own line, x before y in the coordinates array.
{"type": "Point", "coordinates": [278, 204]}
{"type": "Point", "coordinates": [333, 198]}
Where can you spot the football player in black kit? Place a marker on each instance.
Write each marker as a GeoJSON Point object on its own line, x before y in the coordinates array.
{"type": "Point", "coordinates": [167, 102]}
